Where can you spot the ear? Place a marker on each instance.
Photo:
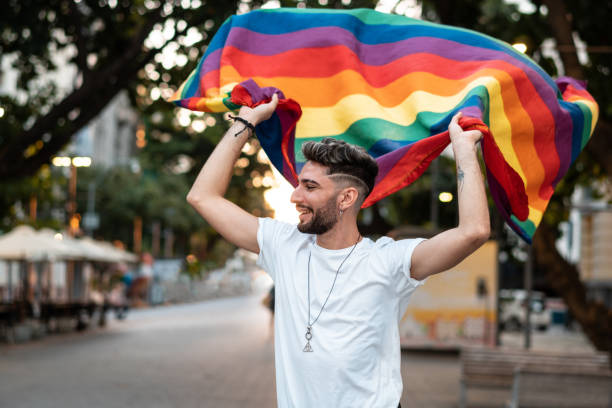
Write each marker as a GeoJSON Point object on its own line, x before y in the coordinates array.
{"type": "Point", "coordinates": [347, 198]}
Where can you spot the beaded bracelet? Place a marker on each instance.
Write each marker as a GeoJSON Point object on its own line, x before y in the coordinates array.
{"type": "Point", "coordinates": [247, 124]}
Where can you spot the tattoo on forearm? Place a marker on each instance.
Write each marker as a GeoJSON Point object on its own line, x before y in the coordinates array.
{"type": "Point", "coordinates": [460, 175]}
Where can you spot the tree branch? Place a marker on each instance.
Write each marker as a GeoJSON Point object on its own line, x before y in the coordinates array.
{"type": "Point", "coordinates": [562, 30]}
{"type": "Point", "coordinates": [85, 98]}
{"type": "Point", "coordinates": [90, 108]}
{"type": "Point", "coordinates": [599, 146]}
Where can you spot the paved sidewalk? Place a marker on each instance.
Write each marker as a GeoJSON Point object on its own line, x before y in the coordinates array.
{"type": "Point", "coordinates": [431, 378]}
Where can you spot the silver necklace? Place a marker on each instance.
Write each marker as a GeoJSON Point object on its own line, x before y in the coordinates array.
{"type": "Point", "coordinates": [308, 335]}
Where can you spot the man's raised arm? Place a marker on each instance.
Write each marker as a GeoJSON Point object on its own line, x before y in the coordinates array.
{"type": "Point", "coordinates": [206, 195]}
{"type": "Point", "coordinates": [448, 248]}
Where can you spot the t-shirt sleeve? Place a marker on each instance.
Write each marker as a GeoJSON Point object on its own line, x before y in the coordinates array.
{"type": "Point", "coordinates": [399, 256]}
{"type": "Point", "coordinates": [270, 234]}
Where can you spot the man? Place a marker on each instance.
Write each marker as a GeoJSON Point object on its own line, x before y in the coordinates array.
{"type": "Point", "coordinates": [340, 296]}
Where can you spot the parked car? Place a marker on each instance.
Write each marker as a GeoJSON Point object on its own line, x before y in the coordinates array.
{"type": "Point", "coordinates": [513, 311]}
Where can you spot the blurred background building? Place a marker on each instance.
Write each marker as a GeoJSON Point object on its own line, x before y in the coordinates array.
{"type": "Point", "coordinates": [586, 241]}
{"type": "Point", "coordinates": [110, 139]}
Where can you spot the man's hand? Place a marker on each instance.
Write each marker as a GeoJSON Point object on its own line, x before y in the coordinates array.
{"type": "Point", "coordinates": [460, 137]}
{"type": "Point", "coordinates": [259, 113]}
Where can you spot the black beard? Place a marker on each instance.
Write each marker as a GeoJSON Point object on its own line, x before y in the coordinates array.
{"type": "Point", "coordinates": [323, 219]}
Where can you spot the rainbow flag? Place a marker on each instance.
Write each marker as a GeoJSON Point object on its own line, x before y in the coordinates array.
{"type": "Point", "coordinates": [391, 84]}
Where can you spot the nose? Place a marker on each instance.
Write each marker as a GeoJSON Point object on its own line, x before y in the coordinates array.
{"type": "Point", "coordinates": [296, 195]}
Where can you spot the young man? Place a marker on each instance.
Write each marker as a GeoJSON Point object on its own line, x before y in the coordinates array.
{"type": "Point", "coordinates": [339, 295]}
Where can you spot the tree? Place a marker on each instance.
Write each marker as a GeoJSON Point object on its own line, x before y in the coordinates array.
{"type": "Point", "coordinates": [38, 195]}
{"type": "Point", "coordinates": [107, 43]}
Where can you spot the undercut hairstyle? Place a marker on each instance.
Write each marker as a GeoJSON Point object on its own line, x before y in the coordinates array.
{"type": "Point", "coordinates": [346, 162]}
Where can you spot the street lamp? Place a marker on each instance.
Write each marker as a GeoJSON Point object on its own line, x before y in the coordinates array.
{"type": "Point", "coordinates": [520, 47]}
{"type": "Point", "coordinates": [445, 197]}
{"type": "Point", "coordinates": [73, 163]}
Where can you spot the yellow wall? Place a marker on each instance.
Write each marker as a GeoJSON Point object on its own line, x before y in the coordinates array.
{"type": "Point", "coordinates": [447, 309]}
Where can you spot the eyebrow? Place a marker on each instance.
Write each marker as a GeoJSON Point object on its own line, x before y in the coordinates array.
{"type": "Point", "coordinates": [305, 180]}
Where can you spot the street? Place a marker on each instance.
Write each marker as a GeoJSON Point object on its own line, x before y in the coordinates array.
{"type": "Point", "coordinates": [217, 353]}
{"type": "Point", "coordinates": [211, 354]}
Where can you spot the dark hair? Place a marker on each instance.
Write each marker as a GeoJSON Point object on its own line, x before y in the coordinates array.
{"type": "Point", "coordinates": [344, 159]}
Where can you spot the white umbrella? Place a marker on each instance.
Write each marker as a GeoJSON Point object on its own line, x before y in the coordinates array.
{"type": "Point", "coordinates": [25, 243]}
{"type": "Point", "coordinates": [57, 240]}
{"type": "Point", "coordinates": [100, 250]}
{"type": "Point", "coordinates": [87, 249]}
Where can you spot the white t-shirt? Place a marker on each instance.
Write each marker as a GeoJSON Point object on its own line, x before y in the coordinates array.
{"type": "Point", "coordinates": [356, 347]}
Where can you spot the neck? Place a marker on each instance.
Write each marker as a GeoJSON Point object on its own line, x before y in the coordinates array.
{"type": "Point", "coordinates": [343, 235]}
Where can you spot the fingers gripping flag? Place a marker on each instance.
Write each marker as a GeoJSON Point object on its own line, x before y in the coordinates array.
{"type": "Point", "coordinates": [391, 84]}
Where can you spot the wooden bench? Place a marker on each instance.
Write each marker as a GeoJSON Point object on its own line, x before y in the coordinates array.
{"type": "Point", "coordinates": [541, 387]}
{"type": "Point", "coordinates": [495, 367]}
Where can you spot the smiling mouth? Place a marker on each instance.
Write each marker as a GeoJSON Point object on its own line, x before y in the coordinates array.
{"type": "Point", "coordinates": [304, 211]}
